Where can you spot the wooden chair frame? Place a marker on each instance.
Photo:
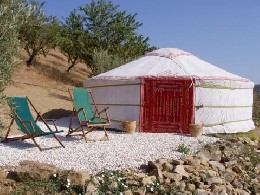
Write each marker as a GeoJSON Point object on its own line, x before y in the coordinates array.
{"type": "Point", "coordinates": [90, 127]}
{"type": "Point", "coordinates": [30, 135]}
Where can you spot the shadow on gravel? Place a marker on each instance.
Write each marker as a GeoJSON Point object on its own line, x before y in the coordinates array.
{"type": "Point", "coordinates": [19, 145]}
{"type": "Point", "coordinates": [57, 114]}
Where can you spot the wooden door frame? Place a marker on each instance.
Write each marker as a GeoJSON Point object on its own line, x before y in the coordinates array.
{"type": "Point", "coordinates": [188, 116]}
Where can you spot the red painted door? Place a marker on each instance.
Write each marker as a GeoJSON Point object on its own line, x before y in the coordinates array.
{"type": "Point", "coordinates": [167, 106]}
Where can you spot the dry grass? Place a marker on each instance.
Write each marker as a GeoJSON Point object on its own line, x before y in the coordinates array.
{"type": "Point", "coordinates": [57, 75]}
{"type": "Point", "coordinates": [253, 135]}
{"type": "Point", "coordinates": [46, 83]}
{"type": "Point", "coordinates": [55, 65]}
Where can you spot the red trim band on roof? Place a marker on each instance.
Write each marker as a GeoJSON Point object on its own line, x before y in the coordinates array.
{"type": "Point", "coordinates": [170, 55]}
{"type": "Point", "coordinates": [172, 77]}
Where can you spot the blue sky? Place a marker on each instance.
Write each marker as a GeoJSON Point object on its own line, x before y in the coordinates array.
{"type": "Point", "coordinates": [225, 33]}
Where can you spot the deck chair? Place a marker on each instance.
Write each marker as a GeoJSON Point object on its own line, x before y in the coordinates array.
{"type": "Point", "coordinates": [87, 119]}
{"type": "Point", "coordinates": [20, 113]}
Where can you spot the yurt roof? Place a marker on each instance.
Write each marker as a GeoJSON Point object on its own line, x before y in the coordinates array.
{"type": "Point", "coordinates": [168, 62]}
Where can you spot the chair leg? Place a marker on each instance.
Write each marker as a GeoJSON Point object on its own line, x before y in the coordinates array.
{"type": "Point", "coordinates": [37, 145]}
{"type": "Point", "coordinates": [70, 128]}
{"type": "Point", "coordinates": [83, 134]}
{"type": "Point", "coordinates": [69, 132]}
{"type": "Point", "coordinates": [106, 135]}
{"type": "Point", "coordinates": [58, 140]}
{"type": "Point", "coordinates": [105, 138]}
{"type": "Point", "coordinates": [87, 132]}
{"type": "Point", "coordinates": [80, 128]}
{"type": "Point", "coordinates": [8, 131]}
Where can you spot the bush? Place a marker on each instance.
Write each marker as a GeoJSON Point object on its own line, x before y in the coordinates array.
{"type": "Point", "coordinates": [256, 109]}
{"type": "Point", "coordinates": [103, 61]}
{"type": "Point", "coordinates": [183, 149]}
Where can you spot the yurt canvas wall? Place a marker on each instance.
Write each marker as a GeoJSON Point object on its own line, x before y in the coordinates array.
{"type": "Point", "coordinates": [166, 90]}
{"type": "Point", "coordinates": [123, 97]}
{"type": "Point", "coordinates": [224, 106]}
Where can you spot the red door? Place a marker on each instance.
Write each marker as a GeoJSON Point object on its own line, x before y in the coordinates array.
{"type": "Point", "coordinates": [167, 106]}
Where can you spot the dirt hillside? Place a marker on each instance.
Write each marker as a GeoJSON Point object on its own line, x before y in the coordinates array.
{"type": "Point", "coordinates": [46, 84]}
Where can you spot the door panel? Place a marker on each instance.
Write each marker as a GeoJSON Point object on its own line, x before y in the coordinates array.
{"type": "Point", "coordinates": [167, 105]}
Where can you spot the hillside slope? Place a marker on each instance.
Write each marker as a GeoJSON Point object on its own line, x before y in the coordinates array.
{"type": "Point", "coordinates": [257, 89]}
{"type": "Point", "coordinates": [46, 83]}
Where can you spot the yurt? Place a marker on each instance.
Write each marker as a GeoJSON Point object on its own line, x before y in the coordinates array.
{"type": "Point", "coordinates": [168, 89]}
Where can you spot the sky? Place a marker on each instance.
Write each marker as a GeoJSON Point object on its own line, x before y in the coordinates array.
{"type": "Point", "coordinates": [225, 33]}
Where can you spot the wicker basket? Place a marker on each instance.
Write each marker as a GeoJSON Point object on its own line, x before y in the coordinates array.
{"type": "Point", "coordinates": [129, 126]}
{"type": "Point", "coordinates": [195, 129]}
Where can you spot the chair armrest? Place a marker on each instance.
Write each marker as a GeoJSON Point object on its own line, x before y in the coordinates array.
{"type": "Point", "coordinates": [104, 110]}
{"type": "Point", "coordinates": [84, 123]}
{"type": "Point", "coordinates": [75, 112]}
{"type": "Point", "coordinates": [53, 121]}
{"type": "Point", "coordinates": [50, 119]}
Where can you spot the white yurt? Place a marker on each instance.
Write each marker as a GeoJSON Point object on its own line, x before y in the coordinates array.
{"type": "Point", "coordinates": [168, 89]}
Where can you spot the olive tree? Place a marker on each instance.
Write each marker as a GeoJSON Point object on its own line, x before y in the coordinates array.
{"type": "Point", "coordinates": [114, 30]}
{"type": "Point", "coordinates": [39, 33]}
{"type": "Point", "coordinates": [72, 41]}
{"type": "Point", "coordinates": [12, 16]}
{"type": "Point", "coordinates": [101, 29]}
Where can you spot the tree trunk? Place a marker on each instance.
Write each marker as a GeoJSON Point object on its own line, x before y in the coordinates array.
{"type": "Point", "coordinates": [30, 60]}
{"type": "Point", "coordinates": [73, 63]}
{"type": "Point", "coordinates": [70, 67]}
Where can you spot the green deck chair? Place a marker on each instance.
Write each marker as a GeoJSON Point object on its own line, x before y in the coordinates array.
{"type": "Point", "coordinates": [82, 109]}
{"type": "Point", "coordinates": [20, 113]}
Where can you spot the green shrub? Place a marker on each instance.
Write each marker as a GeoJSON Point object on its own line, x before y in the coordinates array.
{"type": "Point", "coordinates": [183, 149]}
{"type": "Point", "coordinates": [103, 61]}
{"type": "Point", "coordinates": [256, 109]}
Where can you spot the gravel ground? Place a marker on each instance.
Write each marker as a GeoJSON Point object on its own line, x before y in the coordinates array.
{"type": "Point", "coordinates": [121, 151]}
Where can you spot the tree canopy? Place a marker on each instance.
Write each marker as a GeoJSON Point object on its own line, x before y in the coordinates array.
{"type": "Point", "coordinates": [40, 33]}
{"type": "Point", "coordinates": [72, 41]}
{"type": "Point", "coordinates": [114, 30]}
{"type": "Point", "coordinates": [12, 16]}
{"type": "Point", "coordinates": [101, 26]}
{"type": "Point", "coordinates": [97, 29]}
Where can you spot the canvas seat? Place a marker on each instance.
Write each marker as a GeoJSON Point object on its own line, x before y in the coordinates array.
{"type": "Point", "coordinates": [20, 113]}
{"type": "Point", "coordinates": [87, 119]}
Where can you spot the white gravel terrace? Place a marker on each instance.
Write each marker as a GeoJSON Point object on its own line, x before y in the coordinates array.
{"type": "Point", "coordinates": [121, 151]}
